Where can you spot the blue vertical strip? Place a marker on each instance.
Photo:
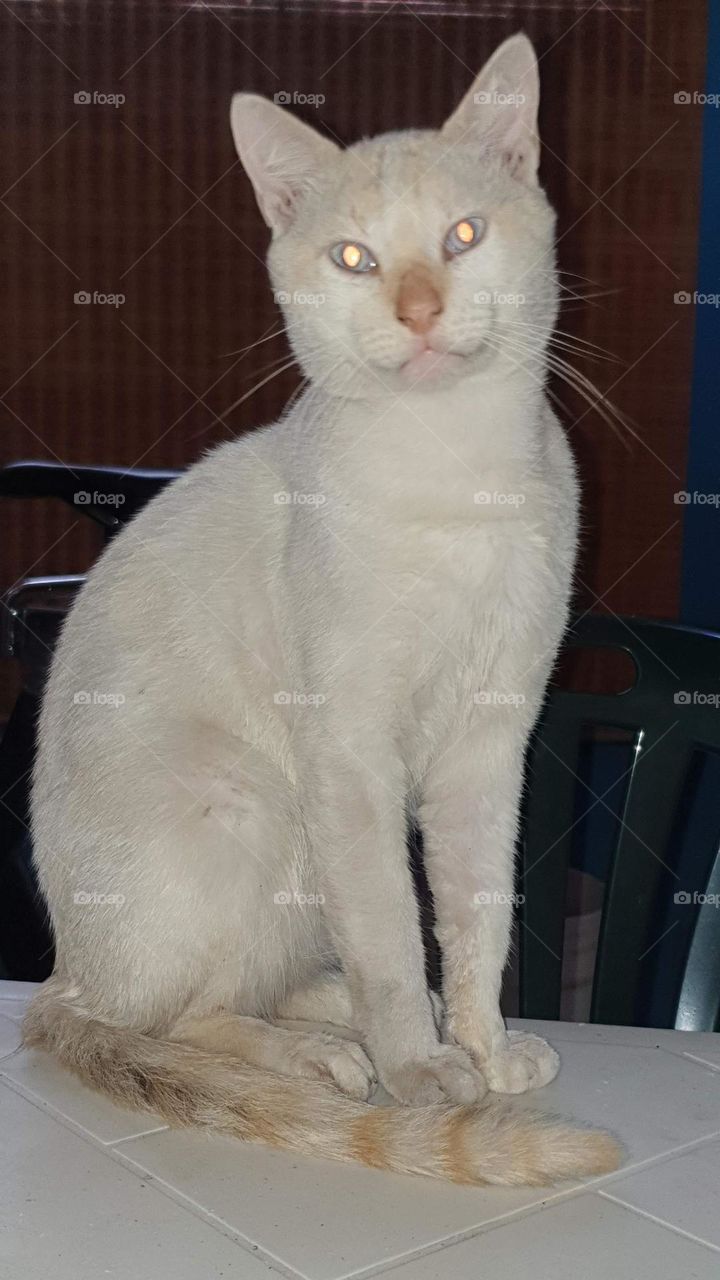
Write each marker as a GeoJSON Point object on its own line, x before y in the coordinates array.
{"type": "Point", "coordinates": [700, 587]}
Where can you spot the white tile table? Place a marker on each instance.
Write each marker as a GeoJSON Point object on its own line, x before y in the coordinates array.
{"type": "Point", "coordinates": [88, 1191]}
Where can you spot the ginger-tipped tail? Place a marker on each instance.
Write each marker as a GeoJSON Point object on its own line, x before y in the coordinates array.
{"type": "Point", "coordinates": [488, 1143]}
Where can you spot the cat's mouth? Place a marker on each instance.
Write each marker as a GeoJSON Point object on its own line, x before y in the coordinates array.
{"type": "Point", "coordinates": [429, 364]}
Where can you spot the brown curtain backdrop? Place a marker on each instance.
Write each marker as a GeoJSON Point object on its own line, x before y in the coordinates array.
{"type": "Point", "coordinates": [144, 198]}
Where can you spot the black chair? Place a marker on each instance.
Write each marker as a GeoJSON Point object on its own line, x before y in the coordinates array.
{"type": "Point", "coordinates": [30, 618]}
{"type": "Point", "coordinates": [658, 954]}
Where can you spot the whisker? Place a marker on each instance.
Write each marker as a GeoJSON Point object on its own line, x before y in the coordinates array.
{"type": "Point", "coordinates": [220, 417]}
{"type": "Point", "coordinates": [576, 346]}
{"type": "Point", "coordinates": [225, 355]}
{"type": "Point", "coordinates": [576, 276]}
{"type": "Point", "coordinates": [587, 297]}
{"type": "Point", "coordinates": [593, 397]}
{"type": "Point", "coordinates": [263, 382]}
{"type": "Point", "coordinates": [539, 334]}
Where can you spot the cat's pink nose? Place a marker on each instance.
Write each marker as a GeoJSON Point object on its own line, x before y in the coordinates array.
{"type": "Point", "coordinates": [419, 301]}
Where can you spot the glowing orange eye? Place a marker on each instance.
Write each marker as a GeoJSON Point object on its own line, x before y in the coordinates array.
{"type": "Point", "coordinates": [352, 256]}
{"type": "Point", "coordinates": [464, 235]}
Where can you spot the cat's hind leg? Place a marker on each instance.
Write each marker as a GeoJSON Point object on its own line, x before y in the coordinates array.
{"type": "Point", "coordinates": [324, 998]}
{"type": "Point", "coordinates": [313, 1055]}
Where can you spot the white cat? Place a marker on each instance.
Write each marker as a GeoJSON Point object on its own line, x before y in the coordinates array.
{"type": "Point", "coordinates": [322, 627]}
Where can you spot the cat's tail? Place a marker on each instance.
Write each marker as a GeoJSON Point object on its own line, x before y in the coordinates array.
{"type": "Point", "coordinates": [188, 1087]}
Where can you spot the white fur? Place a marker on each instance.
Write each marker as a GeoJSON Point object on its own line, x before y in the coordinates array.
{"type": "Point", "coordinates": [412, 625]}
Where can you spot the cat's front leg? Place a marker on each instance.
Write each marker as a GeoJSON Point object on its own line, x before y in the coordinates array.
{"type": "Point", "coordinates": [469, 819]}
{"type": "Point", "coordinates": [357, 826]}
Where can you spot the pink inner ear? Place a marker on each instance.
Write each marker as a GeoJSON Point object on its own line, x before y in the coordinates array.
{"type": "Point", "coordinates": [515, 160]}
{"type": "Point", "coordinates": [277, 204]}
{"type": "Point", "coordinates": [517, 142]}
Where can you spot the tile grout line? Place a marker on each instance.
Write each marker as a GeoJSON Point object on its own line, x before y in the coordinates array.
{"type": "Point", "coordinates": [592, 1187]}
{"type": "Point", "coordinates": [529, 1211]}
{"type": "Point", "coordinates": [548, 1202]}
{"type": "Point", "coordinates": [43, 1104]}
{"type": "Point", "coordinates": [226, 1229]}
{"type": "Point", "coordinates": [693, 1057]}
{"type": "Point", "coordinates": [660, 1222]}
{"type": "Point", "coordinates": [39, 1101]}
{"type": "Point", "coordinates": [146, 1133]}
{"type": "Point", "coordinates": [450, 1242]}
{"type": "Point", "coordinates": [543, 1028]}
{"type": "Point", "coordinates": [136, 1171]}
{"type": "Point", "coordinates": [221, 1225]}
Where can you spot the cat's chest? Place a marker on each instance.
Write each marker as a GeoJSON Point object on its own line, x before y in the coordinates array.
{"type": "Point", "coordinates": [452, 572]}
{"type": "Point", "coordinates": [440, 467]}
{"type": "Point", "coordinates": [475, 591]}
{"type": "Point", "coordinates": [489, 606]}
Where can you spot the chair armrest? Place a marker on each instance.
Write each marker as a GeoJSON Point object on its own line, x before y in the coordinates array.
{"type": "Point", "coordinates": [108, 495]}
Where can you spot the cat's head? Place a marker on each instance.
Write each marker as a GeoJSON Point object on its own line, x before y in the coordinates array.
{"type": "Point", "coordinates": [414, 258]}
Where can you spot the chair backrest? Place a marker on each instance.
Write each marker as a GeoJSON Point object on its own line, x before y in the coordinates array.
{"type": "Point", "coordinates": [31, 614]}
{"type": "Point", "coordinates": [658, 954]}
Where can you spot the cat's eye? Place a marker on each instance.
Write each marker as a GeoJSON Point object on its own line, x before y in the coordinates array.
{"type": "Point", "coordinates": [464, 235]}
{"type": "Point", "coordinates": [353, 257]}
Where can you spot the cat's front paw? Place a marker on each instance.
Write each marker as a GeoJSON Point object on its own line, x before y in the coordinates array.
{"type": "Point", "coordinates": [522, 1062]}
{"type": "Point", "coordinates": [446, 1076]}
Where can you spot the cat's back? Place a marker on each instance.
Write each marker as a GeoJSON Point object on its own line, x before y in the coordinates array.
{"type": "Point", "coordinates": [188, 535]}
{"type": "Point", "coordinates": [184, 591]}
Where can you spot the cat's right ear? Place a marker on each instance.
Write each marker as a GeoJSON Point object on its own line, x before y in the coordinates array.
{"type": "Point", "coordinates": [500, 108]}
{"type": "Point", "coordinates": [281, 156]}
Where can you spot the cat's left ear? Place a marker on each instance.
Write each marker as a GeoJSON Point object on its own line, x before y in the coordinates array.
{"type": "Point", "coordinates": [281, 156]}
{"type": "Point", "coordinates": [501, 106]}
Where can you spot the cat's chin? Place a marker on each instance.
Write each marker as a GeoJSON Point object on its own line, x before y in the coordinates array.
{"type": "Point", "coordinates": [431, 366]}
